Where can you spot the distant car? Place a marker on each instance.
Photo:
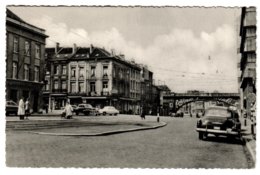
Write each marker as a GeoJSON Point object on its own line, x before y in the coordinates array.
{"type": "Point", "coordinates": [85, 109]}
{"type": "Point", "coordinates": [179, 114]}
{"type": "Point", "coordinates": [111, 110]}
{"type": "Point", "coordinates": [11, 108]}
{"type": "Point", "coordinates": [219, 120]}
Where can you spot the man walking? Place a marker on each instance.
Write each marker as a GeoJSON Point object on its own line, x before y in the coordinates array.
{"type": "Point", "coordinates": [27, 109]}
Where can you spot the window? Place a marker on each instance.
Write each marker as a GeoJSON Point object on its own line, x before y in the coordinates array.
{"type": "Point", "coordinates": [64, 70]}
{"type": "Point", "coordinates": [81, 71]}
{"type": "Point", "coordinates": [73, 87]}
{"type": "Point", "coordinates": [26, 72]}
{"type": "Point", "coordinates": [81, 87]}
{"type": "Point", "coordinates": [27, 48]}
{"type": "Point", "coordinates": [47, 85]}
{"type": "Point", "coordinates": [37, 51]}
{"type": "Point", "coordinates": [56, 85]}
{"type": "Point", "coordinates": [73, 72]}
{"type": "Point", "coordinates": [56, 69]}
{"type": "Point", "coordinates": [14, 73]}
{"type": "Point", "coordinates": [64, 85]}
{"type": "Point", "coordinates": [120, 73]}
{"type": "Point", "coordinates": [92, 86]}
{"type": "Point", "coordinates": [105, 86]}
{"type": "Point", "coordinates": [16, 45]}
{"type": "Point", "coordinates": [105, 69]}
{"type": "Point", "coordinates": [36, 73]}
{"type": "Point", "coordinates": [93, 69]}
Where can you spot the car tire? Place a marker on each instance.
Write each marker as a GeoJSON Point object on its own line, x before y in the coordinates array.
{"type": "Point", "coordinates": [115, 114]}
{"type": "Point", "coordinates": [104, 113]}
{"type": "Point", "coordinates": [201, 135]}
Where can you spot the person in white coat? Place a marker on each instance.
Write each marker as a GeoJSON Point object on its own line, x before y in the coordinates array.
{"type": "Point", "coordinates": [21, 109]}
{"type": "Point", "coordinates": [68, 111]}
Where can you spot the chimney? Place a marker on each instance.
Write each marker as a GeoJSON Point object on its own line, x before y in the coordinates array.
{"type": "Point", "coordinates": [112, 52]}
{"type": "Point", "coordinates": [122, 56]}
{"type": "Point", "coordinates": [57, 48]}
{"type": "Point", "coordinates": [74, 49]}
{"type": "Point", "coordinates": [91, 48]}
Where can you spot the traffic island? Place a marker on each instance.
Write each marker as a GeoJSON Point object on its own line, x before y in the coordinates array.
{"type": "Point", "coordinates": [84, 131]}
{"type": "Point", "coordinates": [79, 127]}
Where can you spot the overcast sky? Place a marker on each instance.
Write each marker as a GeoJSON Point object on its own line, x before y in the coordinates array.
{"type": "Point", "coordinates": [186, 48]}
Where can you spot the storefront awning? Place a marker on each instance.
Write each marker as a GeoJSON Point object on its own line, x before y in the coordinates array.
{"type": "Point", "coordinates": [93, 98]}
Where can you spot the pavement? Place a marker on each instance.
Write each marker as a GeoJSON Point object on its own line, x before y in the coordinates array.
{"type": "Point", "coordinates": [248, 138]}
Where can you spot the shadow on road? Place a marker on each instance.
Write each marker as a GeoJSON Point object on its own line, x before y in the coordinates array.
{"type": "Point", "coordinates": [227, 140]}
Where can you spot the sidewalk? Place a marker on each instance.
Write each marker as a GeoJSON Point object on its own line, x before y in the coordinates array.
{"type": "Point", "coordinates": [248, 138]}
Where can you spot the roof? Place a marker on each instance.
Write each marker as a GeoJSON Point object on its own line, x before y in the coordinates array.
{"type": "Point", "coordinates": [163, 87]}
{"type": "Point", "coordinates": [14, 19]}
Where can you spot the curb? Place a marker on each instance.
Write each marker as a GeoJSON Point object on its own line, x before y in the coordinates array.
{"type": "Point", "coordinates": [162, 124]}
{"type": "Point", "coordinates": [249, 149]}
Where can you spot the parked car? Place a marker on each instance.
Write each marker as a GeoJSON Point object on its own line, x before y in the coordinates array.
{"type": "Point", "coordinates": [11, 108]}
{"type": "Point", "coordinates": [111, 110]}
{"type": "Point", "coordinates": [218, 120]}
{"type": "Point", "coordinates": [179, 114]}
{"type": "Point", "coordinates": [85, 109]}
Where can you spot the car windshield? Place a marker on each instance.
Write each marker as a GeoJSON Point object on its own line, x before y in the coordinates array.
{"type": "Point", "coordinates": [217, 112]}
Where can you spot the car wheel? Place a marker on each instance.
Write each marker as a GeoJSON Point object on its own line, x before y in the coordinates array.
{"type": "Point", "coordinates": [104, 113]}
{"type": "Point", "coordinates": [115, 114]}
{"type": "Point", "coordinates": [201, 134]}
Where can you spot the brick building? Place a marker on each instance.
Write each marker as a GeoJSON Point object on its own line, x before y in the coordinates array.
{"type": "Point", "coordinates": [248, 57]}
{"type": "Point", "coordinates": [25, 48]}
{"type": "Point", "coordinates": [91, 75]}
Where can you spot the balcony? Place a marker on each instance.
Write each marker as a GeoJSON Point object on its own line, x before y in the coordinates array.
{"type": "Point", "coordinates": [59, 90]}
{"type": "Point", "coordinates": [77, 93]}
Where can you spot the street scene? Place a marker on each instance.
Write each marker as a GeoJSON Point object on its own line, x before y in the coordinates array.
{"type": "Point", "coordinates": [140, 87]}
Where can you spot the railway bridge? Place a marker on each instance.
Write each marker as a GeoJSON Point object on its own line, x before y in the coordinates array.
{"type": "Point", "coordinates": [175, 101]}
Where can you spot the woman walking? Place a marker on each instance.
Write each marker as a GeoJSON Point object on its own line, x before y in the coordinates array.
{"type": "Point", "coordinates": [68, 111]}
{"type": "Point", "coordinates": [21, 110]}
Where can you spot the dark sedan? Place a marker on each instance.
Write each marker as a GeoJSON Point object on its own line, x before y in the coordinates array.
{"type": "Point", "coordinates": [219, 120]}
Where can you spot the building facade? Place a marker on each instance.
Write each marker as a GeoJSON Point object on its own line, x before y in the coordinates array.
{"type": "Point", "coordinates": [25, 51]}
{"type": "Point", "coordinates": [91, 75]}
{"type": "Point", "coordinates": [248, 58]}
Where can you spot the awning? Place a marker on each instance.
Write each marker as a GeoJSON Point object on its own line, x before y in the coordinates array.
{"type": "Point", "coordinates": [89, 98]}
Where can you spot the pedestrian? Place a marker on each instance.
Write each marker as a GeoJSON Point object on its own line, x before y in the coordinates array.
{"type": "Point", "coordinates": [21, 110]}
{"type": "Point", "coordinates": [46, 108]}
{"type": "Point", "coordinates": [142, 114]}
{"type": "Point", "coordinates": [68, 111]}
{"type": "Point", "coordinates": [27, 109]}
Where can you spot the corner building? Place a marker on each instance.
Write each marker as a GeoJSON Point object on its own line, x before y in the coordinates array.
{"type": "Point", "coordinates": [25, 51]}
{"type": "Point", "coordinates": [91, 75]}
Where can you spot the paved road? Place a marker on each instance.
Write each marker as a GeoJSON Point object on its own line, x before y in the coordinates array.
{"type": "Point", "coordinates": [173, 146]}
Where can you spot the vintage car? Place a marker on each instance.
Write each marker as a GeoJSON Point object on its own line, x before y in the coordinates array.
{"type": "Point", "coordinates": [111, 110]}
{"type": "Point", "coordinates": [11, 108]}
{"type": "Point", "coordinates": [218, 120]}
{"type": "Point", "coordinates": [85, 109]}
